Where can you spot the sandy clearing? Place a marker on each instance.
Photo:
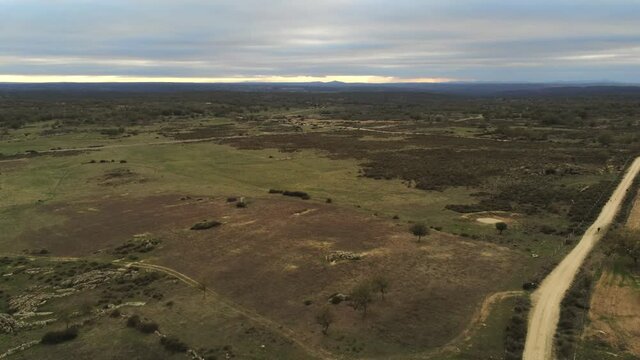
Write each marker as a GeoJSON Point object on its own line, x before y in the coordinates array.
{"type": "Point", "coordinates": [544, 315]}
{"type": "Point", "coordinates": [613, 314]}
{"type": "Point", "coordinates": [634, 217]}
{"type": "Point", "coordinates": [488, 220]}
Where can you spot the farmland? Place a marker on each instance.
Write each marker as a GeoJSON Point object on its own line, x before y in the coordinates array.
{"type": "Point", "coordinates": [108, 186]}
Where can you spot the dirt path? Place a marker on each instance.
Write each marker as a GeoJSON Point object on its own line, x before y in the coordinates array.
{"type": "Point", "coordinates": [412, 133]}
{"type": "Point", "coordinates": [114, 146]}
{"type": "Point", "coordinates": [543, 318]}
{"type": "Point", "coordinates": [151, 143]}
{"type": "Point", "coordinates": [479, 317]}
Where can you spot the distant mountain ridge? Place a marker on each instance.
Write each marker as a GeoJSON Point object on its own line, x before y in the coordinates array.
{"type": "Point", "coordinates": [454, 88]}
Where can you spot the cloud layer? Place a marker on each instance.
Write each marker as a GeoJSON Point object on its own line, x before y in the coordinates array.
{"type": "Point", "coordinates": [360, 40]}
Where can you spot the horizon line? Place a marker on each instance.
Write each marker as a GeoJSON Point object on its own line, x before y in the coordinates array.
{"type": "Point", "coordinates": [349, 79]}
{"type": "Point", "coordinates": [352, 80]}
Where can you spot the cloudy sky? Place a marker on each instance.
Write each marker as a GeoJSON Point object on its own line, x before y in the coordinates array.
{"type": "Point", "coordinates": [296, 40]}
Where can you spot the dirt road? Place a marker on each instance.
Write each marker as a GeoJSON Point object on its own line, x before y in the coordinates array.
{"type": "Point", "coordinates": [128, 145]}
{"type": "Point", "coordinates": [545, 313]}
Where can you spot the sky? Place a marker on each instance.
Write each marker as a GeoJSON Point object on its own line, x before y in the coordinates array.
{"type": "Point", "coordinates": [319, 40]}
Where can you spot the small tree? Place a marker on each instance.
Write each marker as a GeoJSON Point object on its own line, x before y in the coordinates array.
{"type": "Point", "coordinates": [380, 284]}
{"type": "Point", "coordinates": [419, 230]}
{"type": "Point", "coordinates": [324, 318]}
{"type": "Point", "coordinates": [501, 226]}
{"type": "Point", "coordinates": [86, 308]}
{"type": "Point", "coordinates": [361, 298]}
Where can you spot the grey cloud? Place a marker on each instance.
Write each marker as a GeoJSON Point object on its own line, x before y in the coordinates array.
{"type": "Point", "coordinates": [468, 39]}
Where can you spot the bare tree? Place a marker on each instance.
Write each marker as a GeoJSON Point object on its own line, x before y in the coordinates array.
{"type": "Point", "coordinates": [380, 284]}
{"type": "Point", "coordinates": [324, 318]}
{"type": "Point", "coordinates": [361, 298]}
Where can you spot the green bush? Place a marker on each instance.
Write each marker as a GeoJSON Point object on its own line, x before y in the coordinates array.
{"type": "Point", "coordinates": [133, 321]}
{"type": "Point", "coordinates": [173, 344]}
{"type": "Point", "coordinates": [301, 194]}
{"type": "Point", "coordinates": [147, 327]}
{"type": "Point", "coordinates": [57, 337]}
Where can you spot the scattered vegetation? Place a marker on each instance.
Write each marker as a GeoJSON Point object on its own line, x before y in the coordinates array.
{"type": "Point", "coordinates": [626, 243]}
{"type": "Point", "coordinates": [573, 315]}
{"type": "Point", "coordinates": [137, 245]}
{"type": "Point", "coordinates": [516, 331]}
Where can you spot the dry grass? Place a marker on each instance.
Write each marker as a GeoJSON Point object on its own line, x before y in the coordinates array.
{"type": "Point", "coordinates": [268, 259]}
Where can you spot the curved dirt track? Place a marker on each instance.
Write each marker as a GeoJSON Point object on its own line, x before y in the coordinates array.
{"type": "Point", "coordinates": [289, 334]}
{"type": "Point", "coordinates": [545, 313]}
{"type": "Point", "coordinates": [313, 352]}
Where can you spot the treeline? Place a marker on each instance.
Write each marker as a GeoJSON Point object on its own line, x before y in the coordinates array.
{"type": "Point", "coordinates": [118, 108]}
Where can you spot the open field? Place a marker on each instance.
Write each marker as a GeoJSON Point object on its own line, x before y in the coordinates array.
{"type": "Point", "coordinates": [114, 187]}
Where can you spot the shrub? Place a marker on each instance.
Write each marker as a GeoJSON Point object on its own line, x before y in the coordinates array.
{"type": "Point", "coordinates": [301, 194]}
{"type": "Point", "coordinates": [112, 131]}
{"type": "Point", "coordinates": [516, 330]}
{"type": "Point", "coordinates": [546, 229]}
{"type": "Point", "coordinates": [147, 327]}
{"type": "Point", "coordinates": [204, 225]}
{"type": "Point", "coordinates": [173, 344]}
{"type": "Point", "coordinates": [57, 337]}
{"type": "Point", "coordinates": [133, 321]}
